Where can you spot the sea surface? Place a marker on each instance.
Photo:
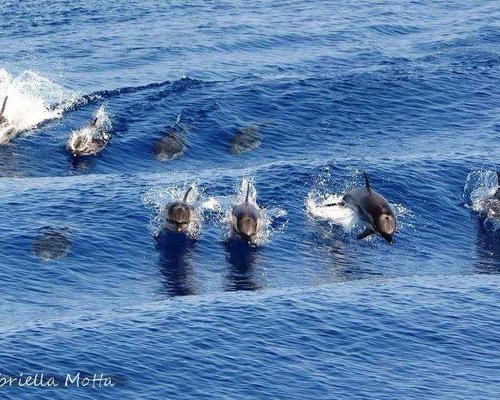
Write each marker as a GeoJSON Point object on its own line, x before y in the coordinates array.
{"type": "Point", "coordinates": [318, 92]}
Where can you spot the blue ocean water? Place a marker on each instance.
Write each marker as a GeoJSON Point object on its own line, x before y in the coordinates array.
{"type": "Point", "coordinates": [407, 91]}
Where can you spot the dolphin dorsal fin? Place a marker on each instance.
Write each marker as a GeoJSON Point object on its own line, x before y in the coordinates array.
{"type": "Point", "coordinates": [187, 194]}
{"type": "Point", "coordinates": [367, 183]}
{"type": "Point", "coordinates": [94, 122]}
{"type": "Point", "coordinates": [248, 192]}
{"type": "Point", "coordinates": [4, 104]}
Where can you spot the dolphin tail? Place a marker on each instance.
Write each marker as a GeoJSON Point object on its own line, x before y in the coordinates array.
{"type": "Point", "coordinates": [187, 194]}
{"type": "Point", "coordinates": [3, 105]}
{"type": "Point", "coordinates": [367, 182]}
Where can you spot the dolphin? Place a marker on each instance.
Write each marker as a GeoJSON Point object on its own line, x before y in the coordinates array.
{"type": "Point", "coordinates": [373, 209]}
{"type": "Point", "coordinates": [173, 144]}
{"type": "Point", "coordinates": [52, 245]}
{"type": "Point", "coordinates": [178, 214]}
{"type": "Point", "coordinates": [490, 206]}
{"type": "Point", "coordinates": [245, 139]}
{"type": "Point", "coordinates": [89, 140]}
{"type": "Point", "coordinates": [169, 147]}
{"type": "Point", "coordinates": [246, 219]}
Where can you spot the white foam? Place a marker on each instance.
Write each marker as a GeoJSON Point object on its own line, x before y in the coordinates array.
{"type": "Point", "coordinates": [340, 215]}
{"type": "Point", "coordinates": [30, 97]}
{"type": "Point", "coordinates": [212, 204]}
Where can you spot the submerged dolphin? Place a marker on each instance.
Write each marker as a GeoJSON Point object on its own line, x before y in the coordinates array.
{"type": "Point", "coordinates": [52, 245]}
{"type": "Point", "coordinates": [173, 144]}
{"type": "Point", "coordinates": [246, 219]}
{"type": "Point", "coordinates": [245, 139]}
{"type": "Point", "coordinates": [89, 140]}
{"type": "Point", "coordinates": [169, 147]}
{"type": "Point", "coordinates": [178, 214]}
{"type": "Point", "coordinates": [373, 209]}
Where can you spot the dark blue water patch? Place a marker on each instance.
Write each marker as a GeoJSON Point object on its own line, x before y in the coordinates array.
{"type": "Point", "coordinates": [391, 30]}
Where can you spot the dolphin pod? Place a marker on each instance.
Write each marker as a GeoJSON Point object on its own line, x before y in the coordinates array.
{"type": "Point", "coordinates": [371, 207]}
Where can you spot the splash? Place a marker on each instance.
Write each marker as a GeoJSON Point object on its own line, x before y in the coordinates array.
{"type": "Point", "coordinates": [479, 189]}
{"type": "Point", "coordinates": [158, 198]}
{"type": "Point", "coordinates": [316, 206]}
{"type": "Point", "coordinates": [30, 97]}
{"type": "Point", "coordinates": [93, 137]}
{"type": "Point", "coordinates": [212, 204]}
{"type": "Point", "coordinates": [103, 118]}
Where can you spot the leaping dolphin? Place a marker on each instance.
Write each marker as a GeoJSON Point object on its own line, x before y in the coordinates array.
{"type": "Point", "coordinates": [246, 219]}
{"type": "Point", "coordinates": [373, 209]}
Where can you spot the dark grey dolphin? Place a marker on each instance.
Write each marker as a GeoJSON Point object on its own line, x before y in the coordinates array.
{"type": "Point", "coordinates": [3, 120]}
{"type": "Point", "coordinates": [246, 219]}
{"type": "Point", "coordinates": [245, 139]}
{"type": "Point", "coordinates": [52, 245]}
{"type": "Point", "coordinates": [178, 214]}
{"type": "Point", "coordinates": [173, 144]}
{"type": "Point", "coordinates": [491, 205]}
{"type": "Point", "coordinates": [89, 140]}
{"type": "Point", "coordinates": [373, 209]}
{"type": "Point", "coordinates": [170, 146]}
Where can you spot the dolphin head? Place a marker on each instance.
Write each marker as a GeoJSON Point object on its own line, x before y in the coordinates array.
{"type": "Point", "coordinates": [386, 225]}
{"type": "Point", "coordinates": [179, 216]}
{"type": "Point", "coordinates": [247, 226]}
